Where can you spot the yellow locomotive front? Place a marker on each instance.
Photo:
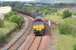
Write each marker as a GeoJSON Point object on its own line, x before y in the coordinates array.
{"type": "Point", "coordinates": [39, 27]}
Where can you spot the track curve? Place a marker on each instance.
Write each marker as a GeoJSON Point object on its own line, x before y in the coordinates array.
{"type": "Point", "coordinates": [15, 43]}
{"type": "Point", "coordinates": [28, 41]}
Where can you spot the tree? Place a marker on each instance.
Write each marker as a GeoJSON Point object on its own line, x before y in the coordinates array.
{"type": "Point", "coordinates": [66, 13]}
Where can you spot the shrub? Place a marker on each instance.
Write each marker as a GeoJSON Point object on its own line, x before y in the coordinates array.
{"type": "Point", "coordinates": [62, 29]}
{"type": "Point", "coordinates": [74, 47]}
{"type": "Point", "coordinates": [1, 23]}
{"type": "Point", "coordinates": [66, 13]}
{"type": "Point", "coordinates": [4, 31]}
{"type": "Point", "coordinates": [2, 37]}
{"type": "Point", "coordinates": [16, 19]}
{"type": "Point", "coordinates": [11, 22]}
{"type": "Point", "coordinates": [10, 14]}
{"type": "Point", "coordinates": [68, 27]}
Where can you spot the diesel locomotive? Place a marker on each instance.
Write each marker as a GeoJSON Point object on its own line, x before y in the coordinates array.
{"type": "Point", "coordinates": [39, 26]}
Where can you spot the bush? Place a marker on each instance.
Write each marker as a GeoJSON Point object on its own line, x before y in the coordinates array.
{"type": "Point", "coordinates": [16, 19]}
{"type": "Point", "coordinates": [1, 23]}
{"type": "Point", "coordinates": [64, 29]}
{"type": "Point", "coordinates": [2, 38]}
{"type": "Point", "coordinates": [66, 13]}
{"type": "Point", "coordinates": [4, 31]}
{"type": "Point", "coordinates": [10, 14]}
{"type": "Point", "coordinates": [74, 47]}
{"type": "Point", "coordinates": [11, 22]}
{"type": "Point", "coordinates": [68, 27]}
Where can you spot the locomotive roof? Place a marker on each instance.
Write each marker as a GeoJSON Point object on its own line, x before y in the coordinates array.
{"type": "Point", "coordinates": [36, 20]}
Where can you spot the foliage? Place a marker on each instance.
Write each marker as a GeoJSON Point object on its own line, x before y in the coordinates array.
{"type": "Point", "coordinates": [65, 29]}
{"type": "Point", "coordinates": [55, 18]}
{"type": "Point", "coordinates": [1, 23]}
{"type": "Point", "coordinates": [4, 31]}
{"type": "Point", "coordinates": [13, 20]}
{"type": "Point", "coordinates": [39, 10]}
{"type": "Point", "coordinates": [68, 27]}
{"type": "Point", "coordinates": [16, 19]}
{"type": "Point", "coordinates": [66, 13]}
{"type": "Point", "coordinates": [74, 13]}
{"type": "Point", "coordinates": [65, 42]}
{"type": "Point", "coordinates": [10, 14]}
{"type": "Point", "coordinates": [74, 47]}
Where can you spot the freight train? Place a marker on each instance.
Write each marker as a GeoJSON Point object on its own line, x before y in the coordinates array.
{"type": "Point", "coordinates": [40, 26]}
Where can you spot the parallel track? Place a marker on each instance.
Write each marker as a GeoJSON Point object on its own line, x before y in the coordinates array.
{"type": "Point", "coordinates": [28, 41]}
{"type": "Point", "coordinates": [22, 37]}
{"type": "Point", "coordinates": [32, 43]}
{"type": "Point", "coordinates": [35, 43]}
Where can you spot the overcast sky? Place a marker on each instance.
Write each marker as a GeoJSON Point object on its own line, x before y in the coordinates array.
{"type": "Point", "coordinates": [17, 0]}
{"type": "Point", "coordinates": [46, 1]}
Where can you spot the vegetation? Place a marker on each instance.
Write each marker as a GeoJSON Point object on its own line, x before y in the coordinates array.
{"type": "Point", "coordinates": [74, 47]}
{"type": "Point", "coordinates": [66, 36]}
{"type": "Point", "coordinates": [11, 22]}
{"type": "Point", "coordinates": [14, 18]}
{"type": "Point", "coordinates": [66, 42]}
{"type": "Point", "coordinates": [1, 23]}
{"type": "Point", "coordinates": [68, 27]}
{"type": "Point", "coordinates": [66, 13]}
{"type": "Point", "coordinates": [4, 31]}
{"type": "Point", "coordinates": [7, 16]}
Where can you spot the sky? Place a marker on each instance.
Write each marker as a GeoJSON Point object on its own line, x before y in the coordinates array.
{"type": "Point", "coordinates": [46, 1]}
{"type": "Point", "coordinates": [17, 0]}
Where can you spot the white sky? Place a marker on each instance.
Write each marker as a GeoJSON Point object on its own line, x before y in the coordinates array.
{"type": "Point", "coordinates": [17, 0]}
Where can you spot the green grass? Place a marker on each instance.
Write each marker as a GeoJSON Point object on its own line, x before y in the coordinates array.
{"type": "Point", "coordinates": [7, 28]}
{"type": "Point", "coordinates": [65, 42]}
{"type": "Point", "coordinates": [9, 24]}
{"type": "Point", "coordinates": [55, 18]}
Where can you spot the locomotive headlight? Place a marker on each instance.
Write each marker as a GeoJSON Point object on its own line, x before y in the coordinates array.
{"type": "Point", "coordinates": [33, 27]}
{"type": "Point", "coordinates": [42, 26]}
{"type": "Point", "coordinates": [38, 27]}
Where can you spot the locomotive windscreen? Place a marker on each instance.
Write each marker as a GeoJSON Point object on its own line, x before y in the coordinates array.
{"type": "Point", "coordinates": [38, 20]}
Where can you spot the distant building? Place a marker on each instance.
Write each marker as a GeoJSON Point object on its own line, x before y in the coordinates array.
{"type": "Point", "coordinates": [3, 11]}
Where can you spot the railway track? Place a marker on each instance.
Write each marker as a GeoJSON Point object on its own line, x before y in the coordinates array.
{"type": "Point", "coordinates": [17, 42]}
{"type": "Point", "coordinates": [28, 41]}
{"type": "Point", "coordinates": [36, 43]}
